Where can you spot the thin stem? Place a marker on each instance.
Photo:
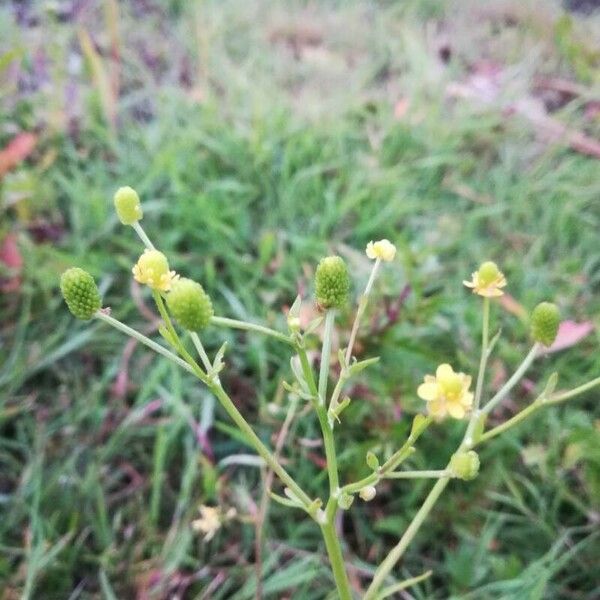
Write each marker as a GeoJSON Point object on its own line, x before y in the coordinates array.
{"type": "Point", "coordinates": [201, 351]}
{"type": "Point", "coordinates": [336, 558]}
{"type": "Point", "coordinates": [510, 384]}
{"type": "Point", "coordinates": [402, 585]}
{"type": "Point", "coordinates": [362, 305]}
{"type": "Point", "coordinates": [190, 366]}
{"type": "Point", "coordinates": [145, 239]}
{"type": "Point", "coordinates": [484, 353]}
{"type": "Point", "coordinates": [330, 453]}
{"type": "Point", "coordinates": [396, 553]}
{"type": "Point", "coordinates": [326, 355]}
{"type": "Point", "coordinates": [558, 398]}
{"type": "Point", "coordinates": [243, 325]}
{"type": "Point", "coordinates": [144, 340]}
{"type": "Point", "coordinates": [418, 474]}
{"type": "Point", "coordinates": [540, 402]}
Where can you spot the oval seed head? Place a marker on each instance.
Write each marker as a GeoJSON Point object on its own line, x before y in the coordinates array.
{"type": "Point", "coordinates": [545, 320]}
{"type": "Point", "coordinates": [189, 304]}
{"type": "Point", "coordinates": [465, 465]}
{"type": "Point", "coordinates": [332, 282]}
{"type": "Point", "coordinates": [127, 204]}
{"type": "Point", "coordinates": [368, 493]}
{"type": "Point", "coordinates": [80, 293]}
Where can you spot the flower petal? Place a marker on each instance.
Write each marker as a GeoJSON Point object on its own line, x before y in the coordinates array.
{"type": "Point", "coordinates": [456, 410]}
{"type": "Point", "coordinates": [428, 391]}
{"type": "Point", "coordinates": [444, 371]}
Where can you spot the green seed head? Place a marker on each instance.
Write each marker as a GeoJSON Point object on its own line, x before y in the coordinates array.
{"type": "Point", "coordinates": [80, 293]}
{"type": "Point", "coordinates": [332, 283]}
{"type": "Point", "coordinates": [127, 204]}
{"type": "Point", "coordinates": [545, 320]}
{"type": "Point", "coordinates": [189, 304]}
{"type": "Point", "coordinates": [488, 272]}
{"type": "Point", "coordinates": [465, 465]}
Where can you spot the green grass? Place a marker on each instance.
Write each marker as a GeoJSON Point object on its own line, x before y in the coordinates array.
{"type": "Point", "coordinates": [293, 152]}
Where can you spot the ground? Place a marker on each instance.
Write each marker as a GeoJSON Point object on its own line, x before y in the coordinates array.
{"type": "Point", "coordinates": [262, 136]}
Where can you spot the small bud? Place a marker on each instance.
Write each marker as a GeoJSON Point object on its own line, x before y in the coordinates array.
{"type": "Point", "coordinates": [465, 465]}
{"type": "Point", "coordinates": [545, 320]}
{"type": "Point", "coordinates": [368, 493]}
{"type": "Point", "coordinates": [293, 324]}
{"type": "Point", "coordinates": [372, 461]}
{"type": "Point", "coordinates": [189, 304]}
{"type": "Point", "coordinates": [345, 501]}
{"type": "Point", "coordinates": [80, 293]}
{"type": "Point", "coordinates": [152, 269]}
{"type": "Point", "coordinates": [127, 204]}
{"type": "Point", "coordinates": [332, 283]}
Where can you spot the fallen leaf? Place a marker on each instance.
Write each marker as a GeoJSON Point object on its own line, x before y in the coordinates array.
{"type": "Point", "coordinates": [509, 304]}
{"type": "Point", "coordinates": [17, 150]}
{"type": "Point", "coordinates": [569, 334]}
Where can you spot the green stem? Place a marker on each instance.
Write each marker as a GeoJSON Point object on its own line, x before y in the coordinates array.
{"type": "Point", "coordinates": [326, 355]}
{"type": "Point", "coordinates": [201, 351]}
{"type": "Point", "coordinates": [516, 377]}
{"type": "Point", "coordinates": [144, 340]}
{"type": "Point", "coordinates": [145, 239]}
{"type": "Point", "coordinates": [520, 416]}
{"type": "Point", "coordinates": [330, 453]}
{"type": "Point", "coordinates": [336, 558]}
{"type": "Point", "coordinates": [418, 474]}
{"type": "Point", "coordinates": [394, 556]}
{"type": "Point", "coordinates": [558, 398]}
{"type": "Point", "coordinates": [244, 326]}
{"type": "Point", "coordinates": [362, 305]}
{"type": "Point", "coordinates": [484, 353]}
{"type": "Point", "coordinates": [402, 585]}
{"type": "Point", "coordinates": [190, 366]}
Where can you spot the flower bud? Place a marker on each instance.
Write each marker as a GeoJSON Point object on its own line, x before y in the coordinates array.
{"type": "Point", "coordinates": [545, 320]}
{"type": "Point", "coordinates": [465, 465]}
{"type": "Point", "coordinates": [80, 293]}
{"type": "Point", "coordinates": [332, 283]}
{"type": "Point", "coordinates": [152, 269]}
{"type": "Point", "coordinates": [127, 204]}
{"type": "Point", "coordinates": [368, 493]}
{"type": "Point", "coordinates": [189, 304]}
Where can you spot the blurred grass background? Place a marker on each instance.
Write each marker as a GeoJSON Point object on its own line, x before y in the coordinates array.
{"type": "Point", "coordinates": [261, 136]}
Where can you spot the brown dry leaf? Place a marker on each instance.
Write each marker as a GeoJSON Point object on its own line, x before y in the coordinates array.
{"type": "Point", "coordinates": [17, 150]}
{"type": "Point", "coordinates": [569, 334]}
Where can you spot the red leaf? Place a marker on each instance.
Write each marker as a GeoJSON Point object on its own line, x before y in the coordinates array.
{"type": "Point", "coordinates": [569, 334]}
{"type": "Point", "coordinates": [17, 150]}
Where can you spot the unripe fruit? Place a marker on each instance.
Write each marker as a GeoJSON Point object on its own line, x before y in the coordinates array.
{"type": "Point", "coordinates": [80, 293]}
{"type": "Point", "coordinates": [127, 205]}
{"type": "Point", "coordinates": [465, 465]}
{"type": "Point", "coordinates": [332, 283]}
{"type": "Point", "coordinates": [189, 304]}
{"type": "Point", "coordinates": [545, 320]}
{"type": "Point", "coordinates": [488, 272]}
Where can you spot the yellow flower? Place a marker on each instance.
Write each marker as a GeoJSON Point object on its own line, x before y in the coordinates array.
{"type": "Point", "coordinates": [210, 521]}
{"type": "Point", "coordinates": [446, 393]}
{"type": "Point", "coordinates": [487, 281]}
{"type": "Point", "coordinates": [152, 269]}
{"type": "Point", "coordinates": [383, 249]}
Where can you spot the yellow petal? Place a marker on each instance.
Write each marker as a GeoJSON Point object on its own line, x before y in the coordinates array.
{"type": "Point", "coordinates": [444, 371]}
{"type": "Point", "coordinates": [456, 410]}
{"type": "Point", "coordinates": [437, 409]}
{"type": "Point", "coordinates": [428, 391]}
{"type": "Point", "coordinates": [467, 400]}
